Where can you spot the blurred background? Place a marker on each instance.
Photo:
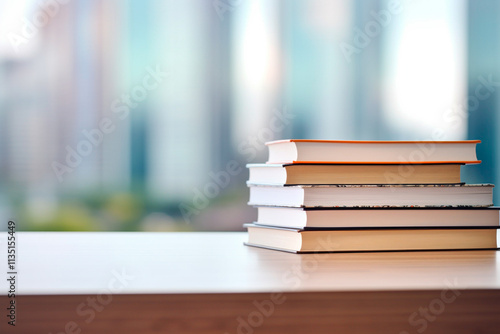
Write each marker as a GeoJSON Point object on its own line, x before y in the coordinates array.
{"type": "Point", "coordinates": [141, 114]}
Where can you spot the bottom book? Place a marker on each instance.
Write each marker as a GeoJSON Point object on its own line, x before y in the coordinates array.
{"type": "Point", "coordinates": [378, 239]}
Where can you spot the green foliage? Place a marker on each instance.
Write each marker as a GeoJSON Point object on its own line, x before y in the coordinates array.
{"type": "Point", "coordinates": [113, 211]}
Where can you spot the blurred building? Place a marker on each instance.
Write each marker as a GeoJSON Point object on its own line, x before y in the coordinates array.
{"type": "Point", "coordinates": [154, 98]}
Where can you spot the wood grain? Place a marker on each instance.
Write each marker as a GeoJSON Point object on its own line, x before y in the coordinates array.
{"type": "Point", "coordinates": [473, 311]}
{"type": "Point", "coordinates": [211, 283]}
{"type": "Point", "coordinates": [85, 263]}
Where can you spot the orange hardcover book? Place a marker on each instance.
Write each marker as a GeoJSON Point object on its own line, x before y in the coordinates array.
{"type": "Point", "coordinates": [294, 151]}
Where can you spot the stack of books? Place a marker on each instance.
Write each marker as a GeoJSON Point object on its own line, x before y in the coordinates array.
{"type": "Point", "coordinates": [339, 196]}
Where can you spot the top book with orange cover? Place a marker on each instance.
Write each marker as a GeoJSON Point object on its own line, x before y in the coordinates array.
{"type": "Point", "coordinates": [307, 151]}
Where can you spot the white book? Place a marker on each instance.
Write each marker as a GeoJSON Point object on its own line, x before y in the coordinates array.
{"type": "Point", "coordinates": [302, 218]}
{"type": "Point", "coordinates": [455, 195]}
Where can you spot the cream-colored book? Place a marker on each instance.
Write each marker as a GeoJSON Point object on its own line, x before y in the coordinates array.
{"type": "Point", "coordinates": [293, 174]}
{"type": "Point", "coordinates": [363, 240]}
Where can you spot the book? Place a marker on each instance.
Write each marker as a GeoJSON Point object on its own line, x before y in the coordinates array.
{"type": "Point", "coordinates": [292, 174]}
{"type": "Point", "coordinates": [457, 195]}
{"type": "Point", "coordinates": [371, 152]}
{"type": "Point", "coordinates": [356, 240]}
{"type": "Point", "coordinates": [305, 218]}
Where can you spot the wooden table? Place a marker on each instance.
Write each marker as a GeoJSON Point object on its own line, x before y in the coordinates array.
{"type": "Point", "coordinates": [211, 283]}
